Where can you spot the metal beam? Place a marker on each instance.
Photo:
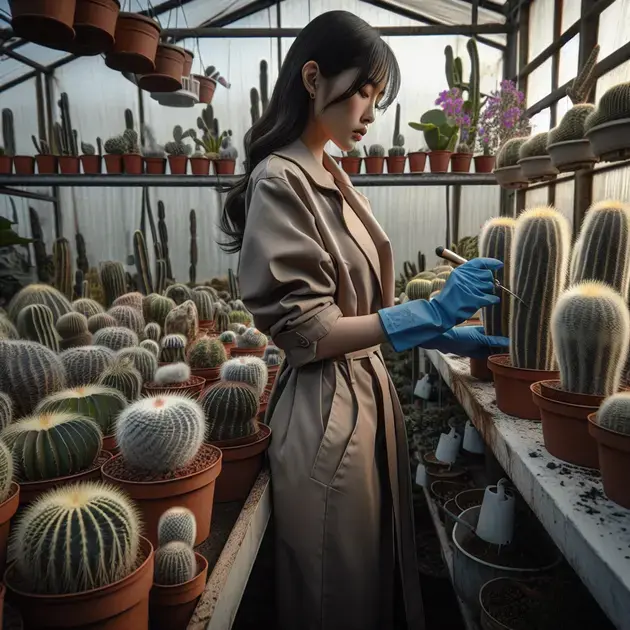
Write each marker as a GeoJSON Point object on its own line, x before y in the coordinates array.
{"type": "Point", "coordinates": [239, 14]}
{"type": "Point", "coordinates": [488, 5]}
{"type": "Point", "coordinates": [22, 59]}
{"type": "Point", "coordinates": [15, 82]}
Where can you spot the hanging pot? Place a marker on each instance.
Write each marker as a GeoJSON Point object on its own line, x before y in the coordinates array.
{"type": "Point", "coordinates": [200, 166]}
{"type": "Point", "coordinates": [178, 164]}
{"type": "Point", "coordinates": [511, 177]}
{"type": "Point", "coordinates": [396, 163]}
{"type": "Point", "coordinates": [91, 164]}
{"type": "Point", "coordinates": [351, 165]}
{"type": "Point", "coordinates": [136, 43]}
{"type": "Point", "coordinates": [224, 166]}
{"type": "Point", "coordinates": [188, 61]}
{"type": "Point", "coordinates": [94, 25]}
{"type": "Point", "coordinates": [113, 163]}
{"type": "Point", "coordinates": [207, 86]}
{"type": "Point", "coordinates": [44, 22]}
{"type": "Point", "coordinates": [69, 164]}
{"type": "Point", "coordinates": [374, 164]}
{"type": "Point", "coordinates": [24, 164]}
{"type": "Point", "coordinates": [438, 161]}
{"type": "Point", "coordinates": [169, 67]}
{"type": "Point", "coordinates": [417, 161]}
{"type": "Point", "coordinates": [572, 155]}
{"type": "Point", "coordinates": [132, 163]}
{"type": "Point", "coordinates": [484, 163]}
{"type": "Point", "coordinates": [538, 168]}
{"type": "Point", "coordinates": [47, 164]}
{"type": "Point", "coordinates": [460, 162]}
{"type": "Point", "coordinates": [6, 164]}
{"type": "Point", "coordinates": [609, 141]}
{"type": "Point", "coordinates": [155, 165]}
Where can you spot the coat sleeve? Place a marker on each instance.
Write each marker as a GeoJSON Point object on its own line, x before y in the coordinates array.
{"type": "Point", "coordinates": [286, 277]}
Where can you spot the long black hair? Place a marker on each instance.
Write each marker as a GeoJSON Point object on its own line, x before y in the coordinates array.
{"type": "Point", "coordinates": [336, 41]}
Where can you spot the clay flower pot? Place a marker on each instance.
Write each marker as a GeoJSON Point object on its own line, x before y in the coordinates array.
{"type": "Point", "coordinates": [374, 164]}
{"type": "Point", "coordinates": [191, 388]}
{"type": "Point", "coordinates": [69, 164]}
{"type": "Point", "coordinates": [272, 373]}
{"type": "Point", "coordinates": [572, 155]}
{"type": "Point", "coordinates": [396, 163]}
{"type": "Point", "coordinates": [155, 166]}
{"type": "Point", "coordinates": [6, 164]}
{"type": "Point", "coordinates": [228, 348]}
{"type": "Point", "coordinates": [538, 168]}
{"type": "Point", "coordinates": [94, 27]}
{"type": "Point", "coordinates": [438, 161]}
{"type": "Point", "coordinates": [171, 607]}
{"type": "Point", "coordinates": [251, 352]}
{"type": "Point", "coordinates": [564, 423]}
{"type": "Point", "coordinates": [7, 509]}
{"type": "Point", "coordinates": [479, 369]}
{"type": "Point", "coordinates": [460, 162]}
{"type": "Point", "coordinates": [189, 56]}
{"type": "Point", "coordinates": [119, 606]}
{"type": "Point", "coordinates": [224, 167]}
{"type": "Point", "coordinates": [91, 164]}
{"type": "Point", "coordinates": [178, 164]}
{"type": "Point", "coordinates": [484, 163]}
{"type": "Point", "coordinates": [193, 490]}
{"type": "Point", "coordinates": [351, 165]}
{"type": "Point", "coordinates": [511, 177]}
{"type": "Point", "coordinates": [417, 161]}
{"type": "Point", "coordinates": [24, 164]}
{"type": "Point", "coordinates": [207, 86]}
{"type": "Point", "coordinates": [208, 324]}
{"type": "Point", "coordinates": [135, 44]}
{"type": "Point", "coordinates": [110, 444]}
{"type": "Point", "coordinates": [609, 141]}
{"type": "Point", "coordinates": [113, 164]}
{"type": "Point", "coordinates": [200, 166]}
{"type": "Point", "coordinates": [44, 22]}
{"type": "Point", "coordinates": [132, 163]}
{"type": "Point", "coordinates": [209, 374]}
{"type": "Point", "coordinates": [47, 164]}
{"type": "Point", "coordinates": [437, 470]}
{"type": "Point", "coordinates": [512, 386]}
{"type": "Point", "coordinates": [243, 460]}
{"type": "Point", "coordinates": [169, 68]}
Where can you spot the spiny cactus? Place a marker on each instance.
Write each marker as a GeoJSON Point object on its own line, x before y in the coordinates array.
{"type": "Point", "coordinates": [495, 241]}
{"type": "Point", "coordinates": [73, 330]}
{"type": "Point", "coordinates": [230, 411]}
{"type": "Point", "coordinates": [113, 280]}
{"type": "Point", "coordinates": [425, 275]}
{"type": "Point", "coordinates": [115, 338]}
{"type": "Point", "coordinates": [585, 81]}
{"type": "Point", "coordinates": [238, 329]}
{"type": "Point", "coordinates": [205, 305]}
{"type": "Point", "coordinates": [39, 294]}
{"type": "Point", "coordinates": [160, 433]}
{"type": "Point", "coordinates": [437, 284]}
{"type": "Point", "coordinates": [177, 146]}
{"type": "Point", "coordinates": [614, 413]}
{"type": "Point", "coordinates": [227, 336]}
{"type": "Point", "coordinates": [252, 338]}
{"type": "Point", "coordinates": [509, 153]}
{"type": "Point", "coordinates": [240, 317]}
{"type": "Point", "coordinates": [613, 105]}
{"type": "Point", "coordinates": [29, 373]}
{"type": "Point", "coordinates": [418, 289]}
{"type": "Point", "coordinates": [6, 471]}
{"type": "Point", "coordinates": [36, 323]}
{"type": "Point", "coordinates": [143, 360]}
{"type": "Point", "coordinates": [128, 317]}
{"type": "Point", "coordinates": [571, 126]}
{"type": "Point", "coordinates": [535, 146]}
{"type": "Point", "coordinates": [6, 410]}
{"type": "Point", "coordinates": [152, 346]}
{"type": "Point", "coordinates": [123, 376]}
{"type": "Point", "coordinates": [173, 349]}
{"type": "Point", "coordinates": [100, 321]}
{"type": "Point", "coordinates": [153, 332]}
{"type": "Point", "coordinates": [590, 329]}
{"type": "Point", "coordinates": [156, 307]}
{"type": "Point", "coordinates": [249, 370]}
{"type": "Point", "coordinates": [63, 266]}
{"type": "Point", "coordinates": [207, 353]}
{"type": "Point", "coordinates": [56, 552]}
{"type": "Point", "coordinates": [172, 374]}
{"type": "Point", "coordinates": [175, 563]}
{"type": "Point", "coordinates": [177, 524]}
{"type": "Point", "coordinates": [7, 329]}
{"type": "Point", "coordinates": [221, 321]}
{"type": "Point", "coordinates": [194, 255]}
{"type": "Point", "coordinates": [143, 267]}
{"type": "Point", "coordinates": [117, 145]}
{"type": "Point", "coordinates": [51, 445]}
{"type": "Point", "coordinates": [133, 299]}
{"type": "Point", "coordinates": [179, 293]}
{"type": "Point", "coordinates": [376, 150]}
{"type": "Point", "coordinates": [183, 320]}
{"type": "Point", "coordinates": [85, 364]}
{"type": "Point", "coordinates": [539, 260]}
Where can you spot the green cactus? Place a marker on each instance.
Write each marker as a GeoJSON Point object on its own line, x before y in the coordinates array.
{"type": "Point", "coordinates": [583, 84]}
{"type": "Point", "coordinates": [396, 152]}
{"type": "Point", "coordinates": [239, 329]}
{"type": "Point", "coordinates": [73, 330]}
{"type": "Point", "coordinates": [7, 329]}
{"type": "Point", "coordinates": [205, 305]}
{"type": "Point", "coordinates": [207, 353]}
{"type": "Point", "coordinates": [113, 280]}
{"type": "Point", "coordinates": [613, 105]}
{"type": "Point", "coordinates": [122, 376]}
{"type": "Point", "coordinates": [535, 146]}
{"type": "Point", "coordinates": [221, 321]}
{"type": "Point", "coordinates": [134, 299]}
{"type": "Point", "coordinates": [36, 323]}
{"type": "Point", "coordinates": [437, 284]}
{"type": "Point", "coordinates": [175, 563]}
{"type": "Point", "coordinates": [252, 338]}
{"type": "Point", "coordinates": [115, 338]}
{"type": "Point", "coordinates": [177, 524]}
{"type": "Point", "coordinates": [509, 152]}
{"type": "Point", "coordinates": [418, 289]}
{"type": "Point", "coordinates": [6, 410]}
{"type": "Point", "coordinates": [8, 132]}
{"type": "Point", "coordinates": [614, 414]}
{"type": "Point", "coordinates": [439, 134]}
{"type": "Point", "coordinates": [249, 370]}
{"type": "Point", "coordinates": [571, 126]}
{"type": "Point", "coordinates": [141, 257]}
{"type": "Point", "coordinates": [143, 360]}
{"type": "Point", "coordinates": [85, 364]}
{"type": "Point", "coordinates": [153, 332]}
{"type": "Point", "coordinates": [376, 150]}
{"type": "Point", "coordinates": [183, 320]}
{"type": "Point", "coordinates": [7, 470]}
{"type": "Point", "coordinates": [39, 294]}
{"type": "Point", "coordinates": [240, 317]}
{"type": "Point", "coordinates": [539, 266]}
{"type": "Point", "coordinates": [173, 348]}
{"type": "Point", "coordinates": [177, 146]}
{"type": "Point", "coordinates": [192, 273]}
{"type": "Point", "coordinates": [152, 346]}
{"type": "Point", "coordinates": [227, 336]}
{"type": "Point", "coordinates": [56, 553]}
{"type": "Point", "coordinates": [63, 267]}
{"type": "Point", "coordinates": [99, 321]}
{"type": "Point", "coordinates": [87, 307]}
{"type": "Point", "coordinates": [590, 330]}
{"type": "Point", "coordinates": [179, 293]}
{"type": "Point", "coordinates": [128, 317]}
{"type": "Point", "coordinates": [230, 410]}
{"type": "Point", "coordinates": [116, 145]}
{"type": "Point", "coordinates": [264, 85]}
{"type": "Point", "coordinates": [156, 307]}
{"type": "Point", "coordinates": [163, 232]}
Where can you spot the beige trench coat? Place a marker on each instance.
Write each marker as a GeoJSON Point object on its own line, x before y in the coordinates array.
{"type": "Point", "coordinates": [338, 455]}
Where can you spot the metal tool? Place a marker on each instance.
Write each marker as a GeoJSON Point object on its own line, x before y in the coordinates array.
{"type": "Point", "coordinates": [456, 259]}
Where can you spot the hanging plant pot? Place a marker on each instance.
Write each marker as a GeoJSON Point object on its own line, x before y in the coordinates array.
{"type": "Point", "coordinates": [69, 165]}
{"type": "Point", "coordinates": [511, 177]}
{"type": "Point", "coordinates": [169, 66]}
{"type": "Point", "coordinates": [484, 163]}
{"type": "Point", "coordinates": [155, 166]}
{"type": "Point", "coordinates": [136, 43]}
{"type": "Point", "coordinates": [113, 164]}
{"type": "Point", "coordinates": [91, 164]}
{"type": "Point", "coordinates": [351, 165]}
{"type": "Point", "coordinates": [24, 164]}
{"type": "Point", "coordinates": [417, 161]}
{"type": "Point", "coordinates": [200, 166]}
{"type": "Point", "coordinates": [132, 163]}
{"type": "Point", "coordinates": [47, 164]}
{"type": "Point", "coordinates": [374, 164]}
{"type": "Point", "coordinates": [8, 508]}
{"type": "Point", "coordinates": [172, 607]}
{"type": "Point", "coordinates": [188, 61]}
{"type": "Point", "coordinates": [207, 87]}
{"type": "Point", "coordinates": [396, 163]}
{"type": "Point", "coordinates": [119, 606]}
{"type": "Point", "coordinates": [572, 155]}
{"type": "Point", "coordinates": [224, 166]}
{"type": "Point", "coordinates": [44, 22]}
{"type": "Point", "coordinates": [192, 388]}
{"type": "Point", "coordinates": [460, 162]}
{"type": "Point", "coordinates": [479, 369]}
{"type": "Point", "coordinates": [178, 164]}
{"type": "Point", "coordinates": [94, 26]}
{"type": "Point", "coordinates": [6, 164]}
{"type": "Point", "coordinates": [538, 168]}
{"type": "Point", "coordinates": [609, 141]}
{"type": "Point", "coordinates": [438, 161]}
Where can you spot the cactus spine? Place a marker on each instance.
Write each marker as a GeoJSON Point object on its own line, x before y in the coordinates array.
{"type": "Point", "coordinates": [85, 364]}
{"type": "Point", "coordinates": [123, 376]}
{"type": "Point", "coordinates": [63, 267]}
{"type": "Point", "coordinates": [177, 524]}
{"type": "Point", "coordinates": [143, 360]}
{"type": "Point", "coordinates": [175, 563]}
{"type": "Point", "coordinates": [614, 414]}
{"type": "Point", "coordinates": [113, 280]}
{"type": "Point", "coordinates": [141, 257]}
{"type": "Point", "coordinates": [207, 353]}
{"type": "Point", "coordinates": [418, 289]}
{"type": "Point", "coordinates": [36, 323]}
{"type": "Point", "coordinates": [249, 370]}
{"type": "Point", "coordinates": [173, 349]}
{"type": "Point", "coordinates": [230, 411]}
{"type": "Point", "coordinates": [115, 338]}
{"type": "Point", "coordinates": [39, 294]}
{"type": "Point", "coordinates": [6, 471]}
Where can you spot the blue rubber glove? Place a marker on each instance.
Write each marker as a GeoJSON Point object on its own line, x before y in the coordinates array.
{"type": "Point", "coordinates": [469, 287]}
{"type": "Point", "coordinates": [468, 341]}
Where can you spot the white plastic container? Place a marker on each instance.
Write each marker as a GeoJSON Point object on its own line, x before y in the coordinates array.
{"type": "Point", "coordinates": [496, 517]}
{"type": "Point", "coordinates": [448, 447]}
{"type": "Point", "coordinates": [473, 442]}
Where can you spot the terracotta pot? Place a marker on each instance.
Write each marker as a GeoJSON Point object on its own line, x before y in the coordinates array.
{"type": "Point", "coordinates": [207, 87]}
{"type": "Point", "coordinates": [396, 163]}
{"type": "Point", "coordinates": [7, 510]}
{"type": "Point", "coordinates": [613, 450]}
{"type": "Point", "coordinates": [193, 389]}
{"type": "Point", "coordinates": [252, 352]}
{"type": "Point", "coordinates": [438, 161]}
{"type": "Point", "coordinates": [351, 165]}
{"type": "Point", "coordinates": [94, 25]}
{"type": "Point", "coordinates": [417, 161]}
{"type": "Point", "coordinates": [91, 164]}
{"type": "Point", "coordinates": [609, 141]}
{"type": "Point", "coordinates": [272, 373]}
{"type": "Point", "coordinates": [479, 369]}
{"type": "Point", "coordinates": [512, 386]}
{"type": "Point", "coordinates": [565, 428]}
{"type": "Point", "coordinates": [242, 463]}
{"type": "Point", "coordinates": [47, 164]}
{"type": "Point", "coordinates": [44, 22]}
{"type": "Point", "coordinates": [24, 164]}
{"type": "Point", "coordinates": [169, 68]}
{"type": "Point", "coordinates": [224, 167]}
{"type": "Point", "coordinates": [538, 168]}
{"type": "Point", "coordinates": [210, 375]}
{"type": "Point", "coordinates": [460, 162]}
{"type": "Point", "coordinates": [228, 348]}
{"type": "Point", "coordinates": [155, 166]}
{"type": "Point", "coordinates": [153, 498]}
{"type": "Point", "coordinates": [172, 607]}
{"type": "Point", "coordinates": [178, 164]}
{"type": "Point", "coordinates": [200, 166]}
{"type": "Point", "coordinates": [69, 164]}
{"type": "Point", "coordinates": [110, 445]}
{"type": "Point", "coordinates": [135, 45]}
{"type": "Point", "coordinates": [6, 164]}
{"type": "Point", "coordinates": [113, 164]}
{"type": "Point", "coordinates": [208, 324]}
{"type": "Point", "coordinates": [374, 165]}
{"type": "Point", "coordinates": [132, 163]}
{"type": "Point", "coordinates": [572, 155]}
{"type": "Point", "coordinates": [484, 163]}
{"type": "Point", "coordinates": [189, 56]}
{"type": "Point", "coordinates": [119, 606]}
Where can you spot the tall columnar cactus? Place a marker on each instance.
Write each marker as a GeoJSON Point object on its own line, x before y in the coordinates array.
{"type": "Point", "coordinates": [152, 346]}
{"type": "Point", "coordinates": [177, 524]}
{"type": "Point", "coordinates": [100, 321]}
{"type": "Point", "coordinates": [85, 364]}
{"type": "Point", "coordinates": [249, 370]}
{"type": "Point", "coordinates": [8, 132]}
{"type": "Point", "coordinates": [122, 376]}
{"type": "Point", "coordinates": [205, 305]}
{"type": "Point", "coordinates": [113, 280]}
{"type": "Point", "coordinates": [230, 410]}
{"type": "Point", "coordinates": [264, 84]}
{"type": "Point", "coordinates": [252, 338]}
{"type": "Point", "coordinates": [509, 152]}
{"type": "Point", "coordinates": [156, 307]}
{"type": "Point", "coordinates": [179, 293]}
{"type": "Point", "coordinates": [221, 321]}
{"type": "Point", "coordinates": [183, 320]}
{"type": "Point", "coordinates": [56, 553]}
{"type": "Point", "coordinates": [6, 410]}
{"type": "Point", "coordinates": [143, 360]}
{"type": "Point", "coordinates": [87, 307]}
{"type": "Point", "coordinates": [163, 232]}
{"type": "Point", "coordinates": [495, 241]}
{"type": "Point", "coordinates": [52, 445]}
{"type": "Point", "coordinates": [153, 332]}
{"type": "Point", "coordinates": [43, 261]}
{"type": "Point", "coordinates": [585, 81]}
{"type": "Point", "coordinates": [418, 289]}
{"type": "Point", "coordinates": [128, 317]}
{"type": "Point", "coordinates": [82, 260]}
{"type": "Point", "coordinates": [194, 255]}
{"type": "Point", "coordinates": [39, 294]}
{"type": "Point", "coordinates": [175, 563]}
{"type": "Point", "coordinates": [36, 323]}
{"type": "Point", "coordinates": [160, 433]}
{"type": "Point", "coordinates": [539, 261]}
{"type": "Point", "coordinates": [141, 256]}
{"type": "Point", "coordinates": [614, 414]}
{"type": "Point", "coordinates": [134, 299]}
{"type": "Point", "coordinates": [590, 329]}
{"type": "Point", "coordinates": [207, 353]}
{"type": "Point", "coordinates": [173, 349]}
{"type": "Point", "coordinates": [63, 267]}
{"type": "Point", "coordinates": [160, 276]}
{"type": "Point", "coordinates": [254, 105]}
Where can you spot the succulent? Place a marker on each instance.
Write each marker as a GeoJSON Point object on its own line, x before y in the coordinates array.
{"type": "Point", "coordinates": [117, 145]}
{"type": "Point", "coordinates": [156, 307]}
{"type": "Point", "coordinates": [178, 292]}
{"type": "Point", "coordinates": [152, 346]}
{"type": "Point", "coordinates": [36, 323]}
{"type": "Point", "coordinates": [238, 329]}
{"type": "Point", "coordinates": [73, 330]}
{"type": "Point", "coordinates": [376, 150]}
{"type": "Point", "coordinates": [6, 471]}
{"type": "Point", "coordinates": [7, 329]}
{"type": "Point", "coordinates": [63, 267]}
{"type": "Point", "coordinates": [133, 299]}
{"type": "Point", "coordinates": [128, 317]}
{"type": "Point", "coordinates": [8, 132]}
{"type": "Point", "coordinates": [613, 105]}
{"type": "Point", "coordinates": [252, 338]}
{"type": "Point", "coordinates": [183, 320]}
{"type": "Point", "coordinates": [114, 280]}
{"type": "Point", "coordinates": [396, 151]}
{"type": "Point", "coordinates": [115, 338]}
{"type": "Point", "coordinates": [418, 289]}
{"type": "Point", "coordinates": [52, 445]}
{"type": "Point", "coordinates": [160, 433]}
{"type": "Point", "coordinates": [177, 524]}
{"type": "Point", "coordinates": [142, 359]}
{"type": "Point", "coordinates": [205, 305]}
{"type": "Point", "coordinates": [227, 336]}
{"type": "Point", "coordinates": [6, 410]}
{"type": "Point", "coordinates": [437, 284]}
{"type": "Point", "coordinates": [39, 294]}
{"type": "Point", "coordinates": [85, 364]}
{"type": "Point", "coordinates": [230, 410]}
{"type": "Point", "coordinates": [76, 538]}
{"type": "Point", "coordinates": [571, 126]}
{"type": "Point", "coordinates": [153, 332]}
{"type": "Point", "coordinates": [249, 370]}
{"type": "Point", "coordinates": [509, 153]}
{"type": "Point", "coordinates": [221, 321]}
{"type": "Point", "coordinates": [240, 317]}
{"type": "Point", "coordinates": [539, 266]}
{"type": "Point", "coordinates": [614, 413]}
{"type": "Point", "coordinates": [535, 146]}
{"type": "Point", "coordinates": [172, 374]}
{"type": "Point", "coordinates": [100, 321]}
{"type": "Point", "coordinates": [173, 349]}
{"type": "Point", "coordinates": [123, 376]}
{"type": "Point", "coordinates": [207, 353]}
{"type": "Point", "coordinates": [175, 563]}
{"type": "Point", "coordinates": [177, 146]}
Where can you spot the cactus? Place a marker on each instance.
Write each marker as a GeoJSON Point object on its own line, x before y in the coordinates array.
{"type": "Point", "coordinates": [6, 410]}
{"type": "Point", "coordinates": [63, 267]}
{"type": "Point", "coordinates": [228, 153]}
{"type": "Point", "coordinates": [160, 433]}
{"type": "Point", "coordinates": [177, 524]}
{"type": "Point", "coordinates": [7, 329]}
{"type": "Point", "coordinates": [264, 85]}
{"type": "Point", "coordinates": [509, 152]}
{"type": "Point", "coordinates": [156, 308]}
{"type": "Point", "coordinates": [113, 280]}
{"type": "Point", "coordinates": [239, 329]}
{"type": "Point", "coordinates": [163, 232]}
{"type": "Point", "coordinates": [230, 410]}
{"type": "Point", "coordinates": [192, 272]}
{"type": "Point", "coordinates": [141, 257]}
{"type": "Point", "coordinates": [583, 84]}
{"type": "Point", "coordinates": [175, 563]}
{"type": "Point", "coordinates": [87, 307]}
{"type": "Point", "coordinates": [254, 109]}
{"type": "Point", "coordinates": [122, 376]}
{"type": "Point", "coordinates": [73, 330]}
{"type": "Point", "coordinates": [376, 150]}
{"type": "Point", "coordinates": [437, 284]}
{"type": "Point", "coordinates": [51, 445]}
{"type": "Point", "coordinates": [152, 346]}
{"type": "Point", "coordinates": [425, 275]}
{"type": "Point", "coordinates": [495, 241]}
{"type": "Point", "coordinates": [85, 364]}
{"type": "Point", "coordinates": [179, 293]}
{"type": "Point", "coordinates": [115, 338]}
{"type": "Point", "coordinates": [249, 370]}
{"type": "Point", "coordinates": [535, 146]}
{"type": "Point", "coordinates": [240, 317]}
{"type": "Point", "coordinates": [133, 299]}
{"type": "Point", "coordinates": [153, 332]}
{"type": "Point", "coordinates": [207, 353]}
{"type": "Point", "coordinates": [6, 471]}
{"type": "Point", "coordinates": [252, 338]}
{"type": "Point", "coordinates": [56, 552]}
{"type": "Point", "coordinates": [99, 321]}
{"type": "Point", "coordinates": [8, 132]}
{"type": "Point", "coordinates": [172, 374]}
{"type": "Point", "coordinates": [160, 273]}
{"type": "Point", "coordinates": [396, 151]}
{"type": "Point", "coordinates": [173, 349]}
{"type": "Point", "coordinates": [116, 145]}
{"type": "Point", "coordinates": [418, 289]}
{"type": "Point", "coordinates": [227, 336]}
{"type": "Point", "coordinates": [571, 126]}
{"type": "Point", "coordinates": [614, 414]}
{"type": "Point", "coordinates": [272, 359]}
{"type": "Point", "coordinates": [67, 143]}
{"type": "Point", "coordinates": [183, 320]}
{"type": "Point", "coordinates": [590, 330]}
{"type": "Point", "coordinates": [128, 317]}
{"type": "Point", "coordinates": [205, 306]}
{"type": "Point", "coordinates": [80, 285]}
{"type": "Point", "coordinates": [177, 146]}
{"type": "Point", "coordinates": [143, 360]}
{"type": "Point", "coordinates": [131, 138]}
{"type": "Point", "coordinates": [36, 323]}
{"type": "Point", "coordinates": [39, 294]}
{"type": "Point", "coordinates": [221, 321]}
{"type": "Point", "coordinates": [539, 265]}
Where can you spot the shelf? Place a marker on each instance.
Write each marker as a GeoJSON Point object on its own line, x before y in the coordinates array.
{"type": "Point", "coordinates": [592, 532]}
{"type": "Point", "coordinates": [235, 537]}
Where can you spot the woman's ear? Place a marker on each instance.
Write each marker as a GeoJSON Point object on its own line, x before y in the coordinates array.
{"type": "Point", "coordinates": [310, 76]}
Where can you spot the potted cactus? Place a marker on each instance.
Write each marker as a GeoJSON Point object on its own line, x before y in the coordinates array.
{"type": "Point", "coordinates": [539, 263]}
{"type": "Point", "coordinates": [90, 159]}
{"type": "Point", "coordinates": [115, 148]}
{"type": "Point", "coordinates": [351, 161]}
{"type": "Point", "coordinates": [163, 461]}
{"type": "Point", "coordinates": [178, 151]}
{"type": "Point", "coordinates": [132, 157]}
{"type": "Point", "coordinates": [208, 84]}
{"type": "Point", "coordinates": [206, 356]}
{"type": "Point", "coordinates": [46, 159]}
{"type": "Point", "coordinates": [154, 154]}
{"type": "Point", "coordinates": [440, 135]}
{"type": "Point", "coordinates": [396, 155]}
{"type": "Point", "coordinates": [251, 342]}
{"type": "Point", "coordinates": [253, 372]}
{"type": "Point", "coordinates": [240, 317]}
{"type": "Point", "coordinates": [374, 159]}
{"type": "Point", "coordinates": [228, 339]}
{"type": "Point", "coordinates": [175, 378]}
{"type": "Point", "coordinates": [107, 568]}
{"type": "Point", "coordinates": [273, 359]}
{"type": "Point", "coordinates": [208, 145]}
{"type": "Point", "coordinates": [9, 495]}
{"type": "Point", "coordinates": [183, 320]}
{"type": "Point", "coordinates": [24, 164]}
{"type": "Point", "coordinates": [205, 308]}
{"type": "Point", "coordinates": [66, 139]}
{"type": "Point", "coordinates": [172, 349]}
{"type": "Point", "coordinates": [226, 164]}
{"type": "Point", "coordinates": [534, 160]}
{"type": "Point", "coordinates": [507, 170]}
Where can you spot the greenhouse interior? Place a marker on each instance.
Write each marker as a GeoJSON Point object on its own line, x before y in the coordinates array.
{"type": "Point", "coordinates": [336, 201]}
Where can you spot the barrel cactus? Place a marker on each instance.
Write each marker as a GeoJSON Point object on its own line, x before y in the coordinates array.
{"type": "Point", "coordinates": [207, 353]}
{"type": "Point", "coordinates": [183, 320]}
{"type": "Point", "coordinates": [249, 370]}
{"type": "Point", "coordinates": [87, 307]}
{"type": "Point", "coordinates": [252, 338]}
{"type": "Point", "coordinates": [177, 523]}
{"type": "Point", "coordinates": [613, 105]}
{"type": "Point", "coordinates": [36, 323]}
{"type": "Point", "coordinates": [100, 321]}
{"type": "Point", "coordinates": [6, 410]}
{"type": "Point", "coordinates": [7, 328]}
{"type": "Point", "coordinates": [230, 411]}
{"type": "Point", "coordinates": [152, 346]}
{"type": "Point", "coordinates": [535, 146]}
{"type": "Point", "coordinates": [228, 336]}
{"type": "Point", "coordinates": [178, 292]}
{"type": "Point", "coordinates": [152, 331]}
{"type": "Point", "coordinates": [437, 284]}
{"type": "Point", "coordinates": [73, 330]}
{"type": "Point", "coordinates": [571, 126]}
{"type": "Point", "coordinates": [115, 338]}
{"type": "Point", "coordinates": [175, 563]}
{"type": "Point", "coordinates": [123, 376]}
{"type": "Point", "coordinates": [237, 328]}
{"type": "Point", "coordinates": [142, 359]}
{"type": "Point", "coordinates": [418, 289]}
{"type": "Point", "coordinates": [240, 317]}
{"type": "Point", "coordinates": [6, 471]}
{"type": "Point", "coordinates": [205, 305]}
{"type": "Point", "coordinates": [509, 153]}
{"type": "Point", "coordinates": [221, 321]}
{"type": "Point", "coordinates": [44, 294]}
{"type": "Point", "coordinates": [173, 349]}
{"type": "Point", "coordinates": [172, 374]}
{"type": "Point", "coordinates": [85, 364]}
{"type": "Point", "coordinates": [614, 413]}
{"type": "Point", "coordinates": [156, 307]}
{"type": "Point", "coordinates": [128, 317]}
{"type": "Point", "coordinates": [133, 299]}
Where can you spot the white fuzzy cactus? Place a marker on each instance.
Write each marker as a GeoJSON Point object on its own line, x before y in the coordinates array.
{"type": "Point", "coordinates": [177, 523]}
{"type": "Point", "coordinates": [172, 374]}
{"type": "Point", "coordinates": [614, 414]}
{"type": "Point", "coordinates": [249, 370]}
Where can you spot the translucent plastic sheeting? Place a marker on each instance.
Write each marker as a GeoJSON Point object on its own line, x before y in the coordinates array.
{"type": "Point", "coordinates": [564, 199]}
{"type": "Point", "coordinates": [569, 54]}
{"type": "Point", "coordinates": [537, 197]}
{"type": "Point", "coordinates": [477, 206]}
{"type": "Point", "coordinates": [612, 185]}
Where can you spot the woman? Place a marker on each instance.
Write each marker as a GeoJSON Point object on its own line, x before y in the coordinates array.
{"type": "Point", "coordinates": [316, 271]}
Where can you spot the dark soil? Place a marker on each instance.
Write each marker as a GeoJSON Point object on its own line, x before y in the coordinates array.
{"type": "Point", "coordinates": [470, 502]}
{"type": "Point", "coordinates": [448, 490]}
{"type": "Point", "coordinates": [206, 457]}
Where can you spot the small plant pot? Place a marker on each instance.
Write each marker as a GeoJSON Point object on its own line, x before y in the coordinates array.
{"type": "Point", "coordinates": [119, 606]}
{"type": "Point", "coordinates": [228, 347]}
{"type": "Point", "coordinates": [565, 425]}
{"type": "Point", "coordinates": [512, 386]}
{"type": "Point", "coordinates": [374, 165]}
{"type": "Point", "coordinates": [8, 508]}
{"type": "Point", "coordinates": [132, 163]}
{"type": "Point", "coordinates": [207, 87]}
{"type": "Point", "coordinates": [6, 164]}
{"type": "Point", "coordinates": [439, 471]}
{"type": "Point", "coordinates": [471, 497]}
{"type": "Point", "coordinates": [609, 141]}
{"type": "Point", "coordinates": [155, 166]}
{"type": "Point", "coordinates": [69, 165]}
{"type": "Point", "coordinates": [460, 162]}
{"type": "Point", "coordinates": [438, 161]}
{"type": "Point", "coordinates": [538, 168]}
{"type": "Point", "coordinates": [24, 164]}
{"type": "Point", "coordinates": [200, 166]}
{"type": "Point", "coordinates": [479, 369]}
{"type": "Point", "coordinates": [91, 164]}
{"type": "Point", "coordinates": [351, 165]}
{"type": "Point", "coordinates": [484, 163]}
{"type": "Point", "coordinates": [135, 45]}
{"type": "Point", "coordinates": [192, 388]}
{"type": "Point", "coordinates": [189, 56]}
{"type": "Point", "coordinates": [191, 487]}
{"type": "Point", "coordinates": [113, 164]}
{"type": "Point", "coordinates": [94, 27]}
{"type": "Point", "coordinates": [511, 177]}
{"type": "Point", "coordinates": [172, 607]}
{"type": "Point", "coordinates": [572, 155]}
{"type": "Point", "coordinates": [272, 373]}
{"type": "Point", "coordinates": [242, 462]}
{"type": "Point", "coordinates": [169, 68]}
{"type": "Point", "coordinates": [209, 374]}
{"type": "Point", "coordinates": [396, 163]}
{"type": "Point", "coordinates": [224, 166]}
{"type": "Point", "coordinates": [110, 444]}
{"type": "Point", "coordinates": [417, 161]}
{"type": "Point", "coordinates": [443, 491]}
{"type": "Point", "coordinates": [251, 352]}
{"type": "Point", "coordinates": [178, 164]}
{"type": "Point", "coordinates": [208, 324]}
{"type": "Point", "coordinates": [47, 164]}
{"type": "Point", "coordinates": [44, 22]}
